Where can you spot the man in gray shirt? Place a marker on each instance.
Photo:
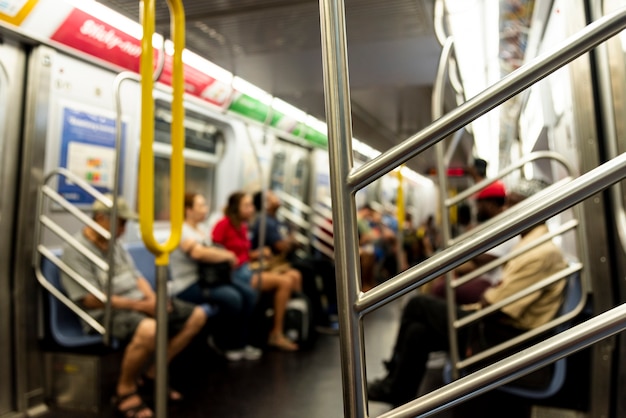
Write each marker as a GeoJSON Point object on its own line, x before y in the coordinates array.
{"type": "Point", "coordinates": [133, 305]}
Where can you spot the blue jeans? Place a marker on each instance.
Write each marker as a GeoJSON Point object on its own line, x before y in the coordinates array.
{"type": "Point", "coordinates": [236, 303]}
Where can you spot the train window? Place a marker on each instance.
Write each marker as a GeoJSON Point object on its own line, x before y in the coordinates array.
{"type": "Point", "coordinates": [198, 179]}
{"type": "Point", "coordinates": [204, 143]}
{"type": "Point", "coordinates": [278, 171]}
{"type": "Point", "coordinates": [300, 180]}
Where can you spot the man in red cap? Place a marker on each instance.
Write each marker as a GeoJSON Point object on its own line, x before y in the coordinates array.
{"type": "Point", "coordinates": [489, 202]}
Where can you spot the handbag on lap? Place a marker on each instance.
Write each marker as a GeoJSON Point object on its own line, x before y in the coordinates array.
{"type": "Point", "coordinates": [214, 274]}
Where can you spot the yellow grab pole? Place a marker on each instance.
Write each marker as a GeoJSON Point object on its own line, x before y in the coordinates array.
{"type": "Point", "coordinates": [146, 174]}
{"type": "Point", "coordinates": [401, 256]}
{"type": "Point", "coordinates": [146, 163]}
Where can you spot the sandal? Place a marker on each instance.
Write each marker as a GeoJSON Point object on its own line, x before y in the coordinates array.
{"type": "Point", "coordinates": [147, 384]}
{"type": "Point", "coordinates": [282, 343]}
{"type": "Point", "coordinates": [131, 411]}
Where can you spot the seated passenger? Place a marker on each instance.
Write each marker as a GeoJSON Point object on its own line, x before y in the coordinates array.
{"type": "Point", "coordinates": [133, 305]}
{"type": "Point", "coordinates": [368, 237]}
{"type": "Point", "coordinates": [232, 233]}
{"type": "Point", "coordinates": [424, 322]}
{"type": "Point", "coordinates": [236, 300]}
{"type": "Point", "coordinates": [489, 202]}
{"type": "Point", "coordinates": [284, 245]}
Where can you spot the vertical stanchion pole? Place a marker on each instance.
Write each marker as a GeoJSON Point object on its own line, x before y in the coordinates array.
{"type": "Point", "coordinates": [146, 175]}
{"type": "Point", "coordinates": [339, 119]}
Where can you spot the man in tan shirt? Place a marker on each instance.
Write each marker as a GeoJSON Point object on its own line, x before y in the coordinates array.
{"type": "Point", "coordinates": [424, 322]}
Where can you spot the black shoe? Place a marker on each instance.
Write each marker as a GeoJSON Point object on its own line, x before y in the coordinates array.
{"type": "Point", "coordinates": [381, 390]}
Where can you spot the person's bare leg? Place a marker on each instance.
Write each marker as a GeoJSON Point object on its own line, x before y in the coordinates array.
{"type": "Point", "coordinates": [192, 326]}
{"type": "Point", "coordinates": [281, 285]}
{"type": "Point", "coordinates": [137, 353]}
{"type": "Point", "coordinates": [296, 280]}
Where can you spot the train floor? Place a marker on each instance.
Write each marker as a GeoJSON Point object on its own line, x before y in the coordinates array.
{"type": "Point", "coordinates": [305, 384]}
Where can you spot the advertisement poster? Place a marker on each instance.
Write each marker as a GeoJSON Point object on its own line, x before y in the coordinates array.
{"type": "Point", "coordinates": [88, 150]}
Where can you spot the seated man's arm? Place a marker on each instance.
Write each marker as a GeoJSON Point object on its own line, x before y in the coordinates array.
{"type": "Point", "coordinates": [147, 306]}
{"type": "Point", "coordinates": [200, 252]}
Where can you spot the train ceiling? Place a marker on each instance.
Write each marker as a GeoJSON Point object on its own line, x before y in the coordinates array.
{"type": "Point", "coordinates": [275, 44]}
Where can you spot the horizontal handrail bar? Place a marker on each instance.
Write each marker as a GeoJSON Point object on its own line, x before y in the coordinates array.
{"type": "Point", "coordinates": [292, 201]}
{"type": "Point", "coordinates": [504, 226]}
{"type": "Point", "coordinates": [52, 194]}
{"type": "Point", "coordinates": [482, 355]}
{"type": "Point", "coordinates": [537, 155]}
{"type": "Point", "coordinates": [323, 236]}
{"type": "Point", "coordinates": [504, 371]}
{"type": "Point", "coordinates": [292, 217]}
{"type": "Point", "coordinates": [569, 225]}
{"type": "Point", "coordinates": [301, 238]}
{"type": "Point", "coordinates": [558, 56]}
{"type": "Point", "coordinates": [67, 237]}
{"type": "Point", "coordinates": [324, 212]}
{"type": "Point", "coordinates": [325, 250]}
{"type": "Point", "coordinates": [60, 296]}
{"type": "Point", "coordinates": [100, 295]}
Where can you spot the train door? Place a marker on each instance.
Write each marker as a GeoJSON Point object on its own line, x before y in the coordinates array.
{"type": "Point", "coordinates": [291, 170]}
{"type": "Point", "coordinates": [12, 64]}
{"type": "Point", "coordinates": [68, 122]}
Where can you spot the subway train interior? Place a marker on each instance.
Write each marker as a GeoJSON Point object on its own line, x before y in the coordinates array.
{"type": "Point", "coordinates": [397, 114]}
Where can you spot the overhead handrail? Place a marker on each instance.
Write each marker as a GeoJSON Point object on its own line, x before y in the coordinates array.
{"type": "Point", "coordinates": [146, 173]}
{"type": "Point", "coordinates": [346, 180]}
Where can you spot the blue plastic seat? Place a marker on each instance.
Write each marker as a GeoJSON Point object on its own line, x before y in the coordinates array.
{"type": "Point", "coordinates": [572, 296]}
{"type": "Point", "coordinates": [144, 261]}
{"type": "Point", "coordinates": [65, 326]}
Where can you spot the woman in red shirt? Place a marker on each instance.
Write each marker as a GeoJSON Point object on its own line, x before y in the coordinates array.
{"type": "Point", "coordinates": [232, 233]}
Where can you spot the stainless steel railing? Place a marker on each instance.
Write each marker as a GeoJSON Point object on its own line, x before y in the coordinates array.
{"type": "Point", "coordinates": [346, 180]}
{"type": "Point", "coordinates": [48, 193]}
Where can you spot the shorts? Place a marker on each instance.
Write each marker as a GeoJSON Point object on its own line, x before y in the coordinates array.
{"type": "Point", "coordinates": [124, 322]}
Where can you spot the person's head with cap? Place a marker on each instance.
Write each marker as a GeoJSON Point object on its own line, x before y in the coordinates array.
{"type": "Point", "coordinates": [102, 213]}
{"type": "Point", "coordinates": [490, 201]}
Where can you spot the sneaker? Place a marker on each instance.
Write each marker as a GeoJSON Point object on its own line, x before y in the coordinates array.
{"type": "Point", "coordinates": [252, 353]}
{"type": "Point", "coordinates": [234, 355]}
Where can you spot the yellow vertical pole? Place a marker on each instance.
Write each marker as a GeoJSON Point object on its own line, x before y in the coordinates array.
{"type": "Point", "coordinates": [146, 173]}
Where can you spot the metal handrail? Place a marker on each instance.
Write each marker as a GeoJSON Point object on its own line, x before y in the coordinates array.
{"type": "Point", "coordinates": [501, 260]}
{"type": "Point", "coordinates": [346, 180]}
{"type": "Point", "coordinates": [556, 57]}
{"type": "Point", "coordinates": [46, 191]}
{"type": "Point", "coordinates": [537, 155]}
{"type": "Point", "coordinates": [504, 371]}
{"type": "Point", "coordinates": [506, 225]}
{"type": "Point", "coordinates": [292, 201]}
